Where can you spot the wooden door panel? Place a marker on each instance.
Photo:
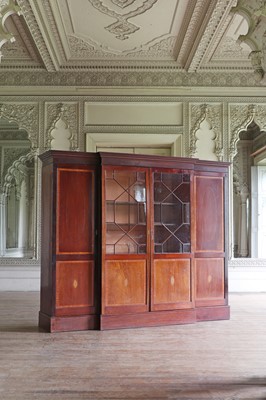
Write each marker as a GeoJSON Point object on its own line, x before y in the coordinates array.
{"type": "Point", "coordinates": [209, 281]}
{"type": "Point", "coordinates": [171, 284]}
{"type": "Point", "coordinates": [74, 211]}
{"type": "Point", "coordinates": [125, 286]}
{"type": "Point", "coordinates": [209, 213]}
{"type": "Point", "coordinates": [75, 287]}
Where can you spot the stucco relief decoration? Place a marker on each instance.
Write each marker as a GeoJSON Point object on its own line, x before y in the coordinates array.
{"type": "Point", "coordinates": [26, 116]}
{"type": "Point", "coordinates": [200, 112]}
{"type": "Point", "coordinates": [122, 28]}
{"type": "Point", "coordinates": [240, 117]}
{"type": "Point", "coordinates": [260, 117]}
{"type": "Point", "coordinates": [14, 170]}
{"type": "Point", "coordinates": [7, 8]}
{"type": "Point", "coordinates": [214, 117]}
{"type": "Point", "coordinates": [67, 113]}
{"type": "Point", "coordinates": [255, 13]}
{"type": "Point", "coordinates": [162, 49]}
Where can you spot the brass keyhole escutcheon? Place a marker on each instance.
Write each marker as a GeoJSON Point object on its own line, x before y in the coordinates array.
{"type": "Point", "coordinates": [172, 280]}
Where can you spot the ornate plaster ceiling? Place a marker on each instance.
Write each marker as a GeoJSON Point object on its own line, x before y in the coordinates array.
{"type": "Point", "coordinates": [173, 36]}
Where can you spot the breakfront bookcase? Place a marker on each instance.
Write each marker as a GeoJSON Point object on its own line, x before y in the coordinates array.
{"type": "Point", "coordinates": [132, 240]}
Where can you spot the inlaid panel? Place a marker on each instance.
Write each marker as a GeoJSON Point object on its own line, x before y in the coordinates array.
{"type": "Point", "coordinates": [209, 278]}
{"type": "Point", "coordinates": [209, 214]}
{"type": "Point", "coordinates": [172, 283]}
{"type": "Point", "coordinates": [125, 283]}
{"type": "Point", "coordinates": [74, 211]}
{"type": "Point", "coordinates": [74, 285]}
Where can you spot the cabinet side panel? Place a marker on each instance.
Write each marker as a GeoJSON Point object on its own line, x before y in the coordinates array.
{"type": "Point", "coordinates": [172, 284]}
{"type": "Point", "coordinates": [74, 216]}
{"type": "Point", "coordinates": [75, 287]}
{"type": "Point", "coordinates": [47, 272]}
{"type": "Point", "coordinates": [209, 281]}
{"type": "Point", "coordinates": [209, 212]}
{"type": "Point", "coordinates": [125, 286]}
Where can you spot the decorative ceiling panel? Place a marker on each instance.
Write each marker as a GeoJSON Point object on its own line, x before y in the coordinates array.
{"type": "Point", "coordinates": [124, 40]}
{"type": "Point", "coordinates": [112, 29]}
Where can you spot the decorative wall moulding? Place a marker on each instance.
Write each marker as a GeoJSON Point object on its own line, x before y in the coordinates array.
{"type": "Point", "coordinates": [247, 262]}
{"type": "Point", "coordinates": [241, 115]}
{"type": "Point", "coordinates": [27, 117]}
{"type": "Point", "coordinates": [133, 78]}
{"type": "Point", "coordinates": [213, 114]}
{"type": "Point", "coordinates": [68, 112]}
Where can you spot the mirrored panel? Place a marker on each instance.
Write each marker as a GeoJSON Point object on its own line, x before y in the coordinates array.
{"type": "Point", "coordinates": [17, 192]}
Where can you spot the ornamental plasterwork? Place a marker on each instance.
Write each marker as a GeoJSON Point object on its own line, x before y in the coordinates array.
{"type": "Point", "coordinates": [81, 49]}
{"type": "Point", "coordinates": [219, 14]}
{"type": "Point", "coordinates": [260, 117]}
{"type": "Point", "coordinates": [10, 155]}
{"type": "Point", "coordinates": [247, 262]}
{"type": "Point", "coordinates": [15, 169]}
{"type": "Point", "coordinates": [35, 31]}
{"type": "Point", "coordinates": [26, 116]}
{"type": "Point", "coordinates": [230, 49]}
{"type": "Point", "coordinates": [213, 114]}
{"type": "Point", "coordinates": [192, 26]}
{"type": "Point", "coordinates": [240, 117]}
{"type": "Point", "coordinates": [161, 49]}
{"type": "Point", "coordinates": [122, 3]}
{"type": "Point", "coordinates": [7, 8]}
{"type": "Point", "coordinates": [16, 134]}
{"type": "Point", "coordinates": [14, 49]}
{"type": "Point", "coordinates": [122, 27]}
{"type": "Point", "coordinates": [23, 50]}
{"type": "Point", "coordinates": [67, 113]}
{"type": "Point", "coordinates": [241, 169]}
{"type": "Point", "coordinates": [128, 77]}
{"type": "Point", "coordinates": [255, 13]}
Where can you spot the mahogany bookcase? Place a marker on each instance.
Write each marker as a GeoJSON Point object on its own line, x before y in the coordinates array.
{"type": "Point", "coordinates": [132, 240]}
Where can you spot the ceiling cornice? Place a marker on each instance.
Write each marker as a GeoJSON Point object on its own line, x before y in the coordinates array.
{"type": "Point", "coordinates": [32, 15]}
{"type": "Point", "coordinates": [214, 16]}
{"type": "Point", "coordinates": [133, 77]}
{"type": "Point", "coordinates": [146, 93]}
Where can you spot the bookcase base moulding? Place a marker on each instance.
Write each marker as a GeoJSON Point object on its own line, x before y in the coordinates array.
{"type": "Point", "coordinates": [132, 241]}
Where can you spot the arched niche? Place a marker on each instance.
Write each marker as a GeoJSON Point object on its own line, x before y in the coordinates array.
{"type": "Point", "coordinates": [17, 191]}
{"type": "Point", "coordinates": [248, 138]}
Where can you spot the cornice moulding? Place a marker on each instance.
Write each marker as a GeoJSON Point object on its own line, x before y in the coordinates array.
{"type": "Point", "coordinates": [217, 92]}
{"type": "Point", "coordinates": [133, 78]}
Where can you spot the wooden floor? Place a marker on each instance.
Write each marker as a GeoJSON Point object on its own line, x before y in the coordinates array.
{"type": "Point", "coordinates": [223, 360]}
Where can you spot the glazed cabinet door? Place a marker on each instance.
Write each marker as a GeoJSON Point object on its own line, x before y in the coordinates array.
{"type": "Point", "coordinates": [75, 263]}
{"type": "Point", "coordinates": [210, 240]}
{"type": "Point", "coordinates": [125, 249]}
{"type": "Point", "coordinates": [171, 272]}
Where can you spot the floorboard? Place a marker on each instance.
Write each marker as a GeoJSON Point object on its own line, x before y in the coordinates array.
{"type": "Point", "coordinates": [223, 360]}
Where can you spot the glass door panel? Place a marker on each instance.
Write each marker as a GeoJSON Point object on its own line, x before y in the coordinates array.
{"type": "Point", "coordinates": [126, 224]}
{"type": "Point", "coordinates": [171, 213]}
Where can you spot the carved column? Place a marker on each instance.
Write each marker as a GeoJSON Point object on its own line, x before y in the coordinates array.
{"type": "Point", "coordinates": [243, 224]}
{"type": "Point", "coordinates": [2, 224]}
